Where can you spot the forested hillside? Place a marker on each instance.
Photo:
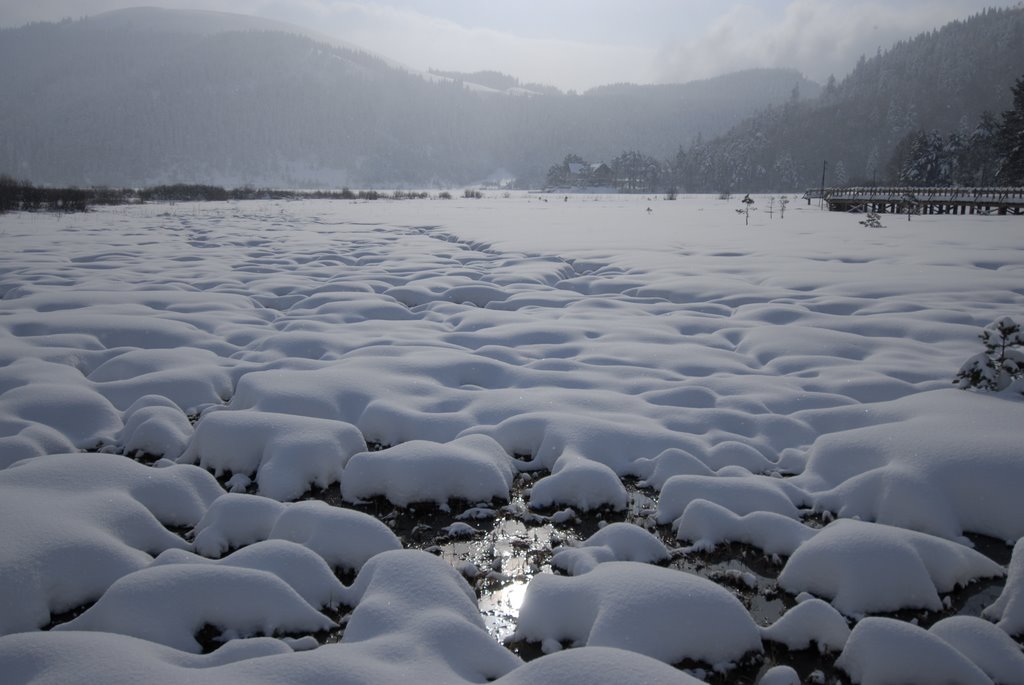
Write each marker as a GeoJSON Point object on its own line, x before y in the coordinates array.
{"type": "Point", "coordinates": [167, 97]}
{"type": "Point", "coordinates": [937, 84]}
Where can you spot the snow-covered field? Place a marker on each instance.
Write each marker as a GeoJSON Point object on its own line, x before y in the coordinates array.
{"type": "Point", "coordinates": [652, 370]}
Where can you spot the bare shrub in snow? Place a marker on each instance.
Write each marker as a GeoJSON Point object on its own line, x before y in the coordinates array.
{"type": "Point", "coordinates": [748, 203]}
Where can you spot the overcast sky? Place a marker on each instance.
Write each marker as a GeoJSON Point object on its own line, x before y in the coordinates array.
{"type": "Point", "coordinates": [583, 43]}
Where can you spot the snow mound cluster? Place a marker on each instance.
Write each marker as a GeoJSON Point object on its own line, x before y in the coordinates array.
{"type": "Point", "coordinates": [169, 604]}
{"type": "Point", "coordinates": [739, 495]}
{"type": "Point", "coordinates": [286, 453]}
{"type": "Point", "coordinates": [955, 650]}
{"type": "Point", "coordinates": [907, 469]}
{"type": "Point", "coordinates": [707, 524]}
{"type": "Point", "coordinates": [614, 542]}
{"type": "Point", "coordinates": [755, 383]}
{"type": "Point", "coordinates": [344, 538]}
{"type": "Point", "coordinates": [73, 525]}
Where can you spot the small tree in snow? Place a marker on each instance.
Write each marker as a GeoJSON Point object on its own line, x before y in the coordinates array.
{"type": "Point", "coordinates": [783, 201]}
{"type": "Point", "coordinates": [1002, 361]}
{"type": "Point", "coordinates": [873, 220]}
{"type": "Point", "coordinates": [842, 178]}
{"type": "Point", "coordinates": [748, 203]}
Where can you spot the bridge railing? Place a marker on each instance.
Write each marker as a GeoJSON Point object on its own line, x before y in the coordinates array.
{"type": "Point", "coordinates": [996, 195]}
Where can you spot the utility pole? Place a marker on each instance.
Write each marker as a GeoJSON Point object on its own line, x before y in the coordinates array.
{"type": "Point", "coordinates": [824, 166]}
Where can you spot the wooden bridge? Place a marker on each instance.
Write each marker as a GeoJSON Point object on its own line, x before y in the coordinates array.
{"type": "Point", "coordinates": [907, 200]}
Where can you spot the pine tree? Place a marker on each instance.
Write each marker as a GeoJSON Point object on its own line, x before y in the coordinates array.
{"type": "Point", "coordinates": [840, 174]}
{"type": "Point", "coordinates": [748, 206]}
{"type": "Point", "coordinates": [1010, 139]}
{"type": "Point", "coordinates": [1000, 363]}
{"type": "Point", "coordinates": [979, 159]}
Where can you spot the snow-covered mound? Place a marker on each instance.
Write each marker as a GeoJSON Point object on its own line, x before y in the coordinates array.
{"type": "Point", "coordinates": [883, 650]}
{"type": "Point", "coordinates": [298, 566]}
{"type": "Point", "coordinates": [1008, 609]}
{"type": "Point", "coordinates": [82, 416]}
{"type": "Point", "coordinates": [596, 666]}
{"type": "Point", "coordinates": [869, 567]}
{"type": "Point", "coordinates": [154, 425]}
{"type": "Point", "coordinates": [286, 453]}
{"type": "Point", "coordinates": [984, 644]}
{"type": "Point", "coordinates": [580, 483]}
{"type": "Point", "coordinates": [740, 495]}
{"type": "Point", "coordinates": [29, 658]}
{"type": "Point", "coordinates": [658, 612]}
{"type": "Point", "coordinates": [707, 524]}
{"type": "Point", "coordinates": [235, 520]}
{"type": "Point", "coordinates": [74, 524]}
{"type": "Point", "coordinates": [472, 468]}
{"type": "Point", "coordinates": [345, 539]}
{"type": "Point", "coordinates": [673, 462]}
{"type": "Point", "coordinates": [780, 675]}
{"type": "Point", "coordinates": [169, 604]}
{"type": "Point", "coordinates": [409, 597]}
{"type": "Point", "coordinates": [810, 621]}
{"type": "Point", "coordinates": [191, 378]}
{"type": "Point", "coordinates": [614, 542]}
{"type": "Point", "coordinates": [118, 659]}
{"type": "Point", "coordinates": [907, 469]}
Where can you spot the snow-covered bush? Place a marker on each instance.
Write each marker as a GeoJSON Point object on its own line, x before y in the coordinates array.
{"type": "Point", "coordinates": [1002, 361]}
{"type": "Point", "coordinates": [873, 220]}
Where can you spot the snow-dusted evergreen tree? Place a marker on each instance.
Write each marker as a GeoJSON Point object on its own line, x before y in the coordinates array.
{"type": "Point", "coordinates": [872, 166]}
{"type": "Point", "coordinates": [636, 172]}
{"type": "Point", "coordinates": [786, 175]}
{"type": "Point", "coordinates": [979, 160]}
{"type": "Point", "coordinates": [841, 176]}
{"type": "Point", "coordinates": [925, 163]}
{"type": "Point", "coordinates": [963, 158]}
{"type": "Point", "coordinates": [560, 175]}
{"type": "Point", "coordinates": [1010, 139]}
{"type": "Point", "coordinates": [873, 220]}
{"type": "Point", "coordinates": [1001, 363]}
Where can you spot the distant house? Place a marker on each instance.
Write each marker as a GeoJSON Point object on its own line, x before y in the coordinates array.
{"type": "Point", "coordinates": [578, 170]}
{"type": "Point", "coordinates": [601, 175]}
{"type": "Point", "coordinates": [583, 175]}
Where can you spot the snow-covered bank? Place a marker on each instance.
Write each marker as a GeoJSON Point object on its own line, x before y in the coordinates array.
{"type": "Point", "coordinates": [749, 376]}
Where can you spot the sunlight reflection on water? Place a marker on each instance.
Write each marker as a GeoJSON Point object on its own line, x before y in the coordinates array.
{"type": "Point", "coordinates": [500, 609]}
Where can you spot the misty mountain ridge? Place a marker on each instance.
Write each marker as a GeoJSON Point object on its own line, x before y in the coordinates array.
{"type": "Point", "coordinates": [940, 82]}
{"type": "Point", "coordinates": [146, 96]}
{"type": "Point", "coordinates": [495, 81]}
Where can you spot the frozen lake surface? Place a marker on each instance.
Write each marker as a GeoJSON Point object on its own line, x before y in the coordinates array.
{"type": "Point", "coordinates": [521, 439]}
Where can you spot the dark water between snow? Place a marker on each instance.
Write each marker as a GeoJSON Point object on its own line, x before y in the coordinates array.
{"type": "Point", "coordinates": [502, 547]}
{"type": "Point", "coordinates": [499, 547]}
